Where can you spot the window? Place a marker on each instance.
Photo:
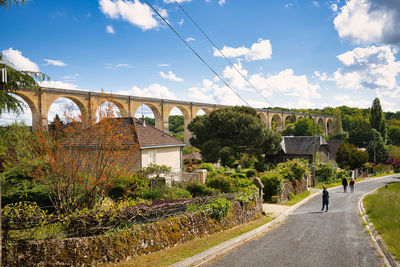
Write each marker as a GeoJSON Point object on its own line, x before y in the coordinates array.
{"type": "Point", "coordinates": [152, 156]}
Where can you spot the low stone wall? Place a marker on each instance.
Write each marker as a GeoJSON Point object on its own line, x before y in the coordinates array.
{"type": "Point", "coordinates": [296, 187]}
{"type": "Point", "coordinates": [140, 239]}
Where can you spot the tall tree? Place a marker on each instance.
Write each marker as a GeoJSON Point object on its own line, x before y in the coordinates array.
{"type": "Point", "coordinates": [7, 3]}
{"type": "Point", "coordinates": [377, 119]}
{"type": "Point", "coordinates": [350, 157]}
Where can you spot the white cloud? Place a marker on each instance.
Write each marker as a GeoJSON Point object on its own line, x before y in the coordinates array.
{"type": "Point", "coordinates": [234, 78]}
{"type": "Point", "coordinates": [173, 1]}
{"type": "Point", "coordinates": [170, 76]}
{"type": "Point", "coordinates": [118, 66]}
{"type": "Point", "coordinates": [190, 39]}
{"type": "Point", "coordinates": [18, 61]}
{"type": "Point", "coordinates": [221, 2]}
{"type": "Point", "coordinates": [134, 12]}
{"type": "Point", "coordinates": [154, 90]}
{"type": "Point", "coordinates": [258, 51]}
{"type": "Point", "coordinates": [54, 62]}
{"type": "Point", "coordinates": [287, 83]}
{"type": "Point", "coordinates": [369, 21]}
{"type": "Point", "coordinates": [371, 67]}
{"type": "Point", "coordinates": [334, 7]}
{"type": "Point", "coordinates": [110, 29]}
{"type": "Point", "coordinates": [58, 84]}
{"type": "Point", "coordinates": [181, 22]}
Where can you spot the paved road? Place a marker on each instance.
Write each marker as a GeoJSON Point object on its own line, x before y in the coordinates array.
{"type": "Point", "coordinates": [311, 238]}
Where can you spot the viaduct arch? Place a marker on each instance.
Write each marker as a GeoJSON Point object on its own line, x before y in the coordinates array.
{"type": "Point", "coordinates": [40, 101]}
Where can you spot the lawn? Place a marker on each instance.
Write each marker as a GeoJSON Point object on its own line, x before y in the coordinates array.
{"type": "Point", "coordinates": [175, 254]}
{"type": "Point", "coordinates": [297, 198]}
{"type": "Point", "coordinates": [383, 209]}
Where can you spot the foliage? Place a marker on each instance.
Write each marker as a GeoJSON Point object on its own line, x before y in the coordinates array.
{"type": "Point", "coordinates": [154, 170]}
{"type": "Point", "coordinates": [361, 135]}
{"type": "Point", "coordinates": [207, 166]}
{"type": "Point", "coordinates": [16, 79]}
{"type": "Point", "coordinates": [239, 183]}
{"type": "Point", "coordinates": [247, 161]}
{"type": "Point", "coordinates": [7, 3]}
{"type": "Point", "coordinates": [23, 215]}
{"type": "Point", "coordinates": [382, 151]}
{"type": "Point", "coordinates": [198, 189]}
{"type": "Point", "coordinates": [394, 151]}
{"type": "Point", "coordinates": [247, 195]}
{"type": "Point", "coordinates": [150, 121]}
{"type": "Point", "coordinates": [377, 119]}
{"type": "Point", "coordinates": [191, 167]}
{"type": "Point", "coordinates": [325, 172]}
{"type": "Point", "coordinates": [127, 186]}
{"type": "Point", "coordinates": [273, 184]}
{"type": "Point", "coordinates": [304, 127]}
{"type": "Point", "coordinates": [238, 176]}
{"type": "Point", "coordinates": [189, 150]}
{"type": "Point", "coordinates": [395, 162]}
{"type": "Point", "coordinates": [222, 183]}
{"type": "Point", "coordinates": [350, 157]}
{"type": "Point", "coordinates": [394, 135]}
{"type": "Point", "coordinates": [166, 192]}
{"type": "Point", "coordinates": [217, 209]}
{"type": "Point", "coordinates": [250, 173]}
{"type": "Point", "coordinates": [340, 174]}
{"type": "Point", "coordinates": [78, 168]}
{"type": "Point", "coordinates": [176, 125]}
{"type": "Point", "coordinates": [294, 169]}
{"type": "Point", "coordinates": [247, 134]}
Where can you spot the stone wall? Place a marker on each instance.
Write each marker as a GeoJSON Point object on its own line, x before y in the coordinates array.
{"type": "Point", "coordinates": [296, 187]}
{"type": "Point", "coordinates": [141, 239]}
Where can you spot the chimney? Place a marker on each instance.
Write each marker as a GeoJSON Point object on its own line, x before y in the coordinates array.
{"type": "Point", "coordinates": [143, 121]}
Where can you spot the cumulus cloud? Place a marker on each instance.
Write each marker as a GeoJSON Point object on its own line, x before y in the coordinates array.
{"type": "Point", "coordinates": [190, 39]}
{"type": "Point", "coordinates": [171, 76]}
{"type": "Point", "coordinates": [18, 61]}
{"type": "Point", "coordinates": [58, 84]}
{"type": "Point", "coordinates": [371, 67]}
{"type": "Point", "coordinates": [54, 62]}
{"type": "Point", "coordinates": [287, 83]}
{"type": "Point", "coordinates": [234, 78]}
{"type": "Point", "coordinates": [134, 12]}
{"type": "Point", "coordinates": [369, 21]}
{"type": "Point", "coordinates": [221, 2]}
{"type": "Point", "coordinates": [110, 29]}
{"type": "Point", "coordinates": [261, 50]}
{"type": "Point", "coordinates": [154, 90]}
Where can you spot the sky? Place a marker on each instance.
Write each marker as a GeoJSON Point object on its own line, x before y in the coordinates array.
{"type": "Point", "coordinates": [293, 53]}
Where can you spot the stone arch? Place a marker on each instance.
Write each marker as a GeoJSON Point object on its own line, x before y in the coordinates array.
{"type": "Point", "coordinates": [81, 106]}
{"type": "Point", "coordinates": [288, 119]}
{"type": "Point", "coordinates": [123, 110]}
{"type": "Point", "coordinates": [329, 126]}
{"type": "Point", "coordinates": [263, 117]}
{"type": "Point", "coordinates": [278, 119]}
{"type": "Point", "coordinates": [33, 108]}
{"type": "Point", "coordinates": [299, 117]}
{"type": "Point", "coordinates": [196, 111]}
{"type": "Point", "coordinates": [321, 122]}
{"type": "Point", "coordinates": [187, 118]}
{"type": "Point", "coordinates": [156, 112]}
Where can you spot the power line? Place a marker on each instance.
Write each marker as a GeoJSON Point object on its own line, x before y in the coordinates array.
{"type": "Point", "coordinates": [215, 46]}
{"type": "Point", "coordinates": [190, 47]}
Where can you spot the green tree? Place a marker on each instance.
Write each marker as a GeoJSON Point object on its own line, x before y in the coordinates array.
{"type": "Point", "coordinates": [304, 127]}
{"type": "Point", "coordinates": [337, 122]}
{"type": "Point", "coordinates": [382, 151]}
{"type": "Point", "coordinates": [377, 119]}
{"type": "Point", "coordinates": [394, 135]}
{"type": "Point", "coordinates": [7, 3]}
{"type": "Point", "coordinates": [362, 134]}
{"type": "Point", "coordinates": [226, 134]}
{"type": "Point", "coordinates": [349, 156]}
{"type": "Point", "coordinates": [16, 79]}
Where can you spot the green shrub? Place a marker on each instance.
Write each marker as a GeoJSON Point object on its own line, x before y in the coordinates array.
{"type": "Point", "coordinates": [198, 189]}
{"type": "Point", "coordinates": [222, 183]}
{"type": "Point", "coordinates": [273, 183]}
{"type": "Point", "coordinates": [247, 194]}
{"type": "Point", "coordinates": [23, 214]}
{"type": "Point", "coordinates": [340, 174]}
{"type": "Point", "coordinates": [166, 192]}
{"type": "Point", "coordinates": [294, 169]}
{"type": "Point", "coordinates": [241, 183]}
{"type": "Point", "coordinates": [127, 186]}
{"type": "Point", "coordinates": [397, 170]}
{"type": "Point", "coordinates": [217, 209]}
{"type": "Point", "coordinates": [238, 176]}
{"type": "Point", "coordinates": [250, 173]}
{"type": "Point", "coordinates": [207, 166]}
{"type": "Point", "coordinates": [325, 172]}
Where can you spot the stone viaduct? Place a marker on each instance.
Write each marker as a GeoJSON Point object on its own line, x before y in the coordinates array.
{"type": "Point", "coordinates": [88, 103]}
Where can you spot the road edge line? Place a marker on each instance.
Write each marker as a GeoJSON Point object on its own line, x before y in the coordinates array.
{"type": "Point", "coordinates": [375, 238]}
{"type": "Point", "coordinates": [224, 247]}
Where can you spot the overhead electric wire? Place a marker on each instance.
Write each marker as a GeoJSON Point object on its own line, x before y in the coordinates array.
{"type": "Point", "coordinates": [190, 47]}
{"type": "Point", "coordinates": [215, 46]}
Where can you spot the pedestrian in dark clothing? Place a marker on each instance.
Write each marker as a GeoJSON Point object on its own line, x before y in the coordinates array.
{"type": "Point", "coordinates": [325, 199]}
{"type": "Point", "coordinates": [352, 185]}
{"type": "Point", "coordinates": [344, 183]}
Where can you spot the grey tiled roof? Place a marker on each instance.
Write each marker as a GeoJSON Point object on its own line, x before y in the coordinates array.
{"type": "Point", "coordinates": [301, 145]}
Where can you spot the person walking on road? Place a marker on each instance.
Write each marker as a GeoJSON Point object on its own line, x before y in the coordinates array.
{"type": "Point", "coordinates": [352, 185]}
{"type": "Point", "coordinates": [325, 199]}
{"type": "Point", "coordinates": [344, 183]}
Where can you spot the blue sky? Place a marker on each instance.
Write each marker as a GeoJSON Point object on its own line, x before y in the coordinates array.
{"type": "Point", "coordinates": [299, 54]}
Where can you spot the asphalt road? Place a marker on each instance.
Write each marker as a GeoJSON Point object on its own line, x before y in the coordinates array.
{"type": "Point", "coordinates": [311, 238]}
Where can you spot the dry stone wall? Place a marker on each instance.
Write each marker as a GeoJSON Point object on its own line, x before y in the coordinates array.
{"type": "Point", "coordinates": [296, 187]}
{"type": "Point", "coordinates": [141, 239]}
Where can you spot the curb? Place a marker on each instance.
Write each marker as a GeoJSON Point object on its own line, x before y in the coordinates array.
{"type": "Point", "coordinates": [375, 238]}
{"type": "Point", "coordinates": [212, 253]}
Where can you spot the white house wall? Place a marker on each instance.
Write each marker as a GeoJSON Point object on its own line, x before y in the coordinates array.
{"type": "Point", "coordinates": [170, 156]}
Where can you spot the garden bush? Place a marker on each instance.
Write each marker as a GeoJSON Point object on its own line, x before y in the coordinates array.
{"type": "Point", "coordinates": [239, 183]}
{"type": "Point", "coordinates": [127, 186]}
{"type": "Point", "coordinates": [294, 169]}
{"type": "Point", "coordinates": [340, 174]}
{"type": "Point", "coordinates": [207, 166]}
{"type": "Point", "coordinates": [325, 172]}
{"type": "Point", "coordinates": [273, 183]}
{"type": "Point", "coordinates": [250, 173]}
{"type": "Point", "coordinates": [238, 176]}
{"type": "Point", "coordinates": [247, 194]}
{"type": "Point", "coordinates": [166, 192]}
{"type": "Point", "coordinates": [217, 209]}
{"type": "Point", "coordinates": [222, 183]}
{"type": "Point", "coordinates": [198, 189]}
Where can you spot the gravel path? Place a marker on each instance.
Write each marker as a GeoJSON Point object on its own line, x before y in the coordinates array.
{"type": "Point", "coordinates": [311, 238]}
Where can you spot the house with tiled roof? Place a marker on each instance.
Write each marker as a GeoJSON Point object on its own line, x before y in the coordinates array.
{"type": "Point", "coordinates": [302, 147]}
{"type": "Point", "coordinates": [143, 144]}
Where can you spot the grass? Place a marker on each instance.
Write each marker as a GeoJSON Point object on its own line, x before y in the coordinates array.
{"type": "Point", "coordinates": [175, 254]}
{"type": "Point", "coordinates": [381, 175]}
{"type": "Point", "coordinates": [298, 198]}
{"type": "Point", "coordinates": [339, 183]}
{"type": "Point", "coordinates": [383, 209]}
